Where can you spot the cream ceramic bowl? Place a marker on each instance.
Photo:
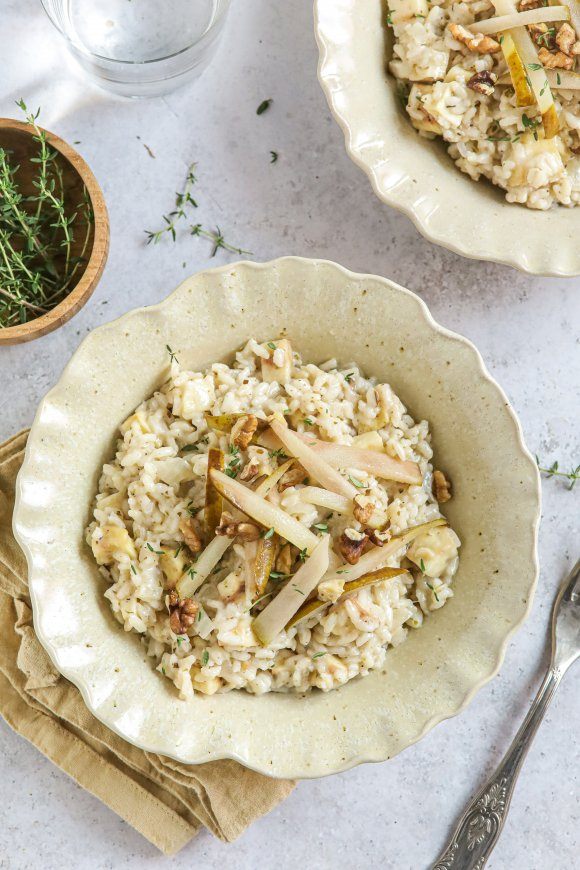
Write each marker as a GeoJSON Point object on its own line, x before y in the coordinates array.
{"type": "Point", "coordinates": [326, 311]}
{"type": "Point", "coordinates": [416, 175]}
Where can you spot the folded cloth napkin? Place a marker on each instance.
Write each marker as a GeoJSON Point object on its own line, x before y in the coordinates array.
{"type": "Point", "coordinates": [166, 801]}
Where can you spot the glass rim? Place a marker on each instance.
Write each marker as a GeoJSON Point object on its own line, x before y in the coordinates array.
{"type": "Point", "coordinates": [137, 63]}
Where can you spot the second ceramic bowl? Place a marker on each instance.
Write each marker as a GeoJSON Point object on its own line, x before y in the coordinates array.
{"type": "Point", "coordinates": [415, 175]}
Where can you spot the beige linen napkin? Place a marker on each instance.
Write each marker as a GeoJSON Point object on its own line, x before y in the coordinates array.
{"type": "Point", "coordinates": [166, 801]}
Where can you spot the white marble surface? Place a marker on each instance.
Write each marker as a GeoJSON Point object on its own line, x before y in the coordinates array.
{"type": "Point", "coordinates": [312, 202]}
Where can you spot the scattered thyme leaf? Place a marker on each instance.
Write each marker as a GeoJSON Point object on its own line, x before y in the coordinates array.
{"type": "Point", "coordinates": [157, 552]}
{"type": "Point", "coordinates": [271, 345]}
{"type": "Point", "coordinates": [554, 471]}
{"type": "Point", "coordinates": [308, 421]}
{"type": "Point", "coordinates": [422, 566]}
{"type": "Point", "coordinates": [264, 106]}
{"type": "Point", "coordinates": [303, 555]}
{"type": "Point", "coordinates": [273, 156]}
{"type": "Point", "coordinates": [322, 527]}
{"type": "Point", "coordinates": [133, 568]}
{"type": "Point", "coordinates": [268, 534]}
{"type": "Point", "coordinates": [171, 354]}
{"type": "Point", "coordinates": [432, 588]}
{"type": "Point", "coordinates": [318, 655]}
{"type": "Point", "coordinates": [296, 589]}
{"type": "Point", "coordinates": [356, 482]}
{"type": "Point", "coordinates": [205, 658]}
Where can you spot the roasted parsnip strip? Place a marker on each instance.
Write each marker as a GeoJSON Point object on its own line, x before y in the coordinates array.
{"type": "Point", "coordinates": [202, 568]}
{"type": "Point", "coordinates": [264, 512]}
{"type": "Point", "coordinates": [315, 464]}
{"type": "Point", "coordinates": [535, 73]}
{"type": "Point", "coordinates": [371, 461]}
{"type": "Point", "coordinates": [265, 556]}
{"type": "Point", "coordinates": [378, 556]}
{"type": "Point", "coordinates": [517, 19]}
{"type": "Point", "coordinates": [326, 499]}
{"type": "Point", "coordinates": [369, 579]}
{"type": "Point", "coordinates": [271, 621]}
{"type": "Point", "coordinates": [213, 500]}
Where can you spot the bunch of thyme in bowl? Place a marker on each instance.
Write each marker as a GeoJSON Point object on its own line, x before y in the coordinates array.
{"type": "Point", "coordinates": [45, 228]}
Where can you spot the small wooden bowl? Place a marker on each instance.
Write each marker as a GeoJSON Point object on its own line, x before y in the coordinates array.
{"type": "Point", "coordinates": [17, 137]}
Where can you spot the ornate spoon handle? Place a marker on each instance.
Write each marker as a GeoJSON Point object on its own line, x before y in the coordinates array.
{"type": "Point", "coordinates": [481, 824]}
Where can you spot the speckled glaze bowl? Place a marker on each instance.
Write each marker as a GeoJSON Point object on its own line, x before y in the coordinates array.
{"type": "Point", "coordinates": [327, 311]}
{"type": "Point", "coordinates": [416, 175]}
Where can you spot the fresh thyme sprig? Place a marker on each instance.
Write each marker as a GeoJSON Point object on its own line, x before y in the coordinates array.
{"type": "Point", "coordinates": [179, 217]}
{"type": "Point", "coordinates": [37, 233]}
{"type": "Point", "coordinates": [554, 471]}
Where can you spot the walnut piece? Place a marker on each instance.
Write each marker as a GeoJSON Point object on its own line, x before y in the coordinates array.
{"type": "Point", "coordinates": [243, 431]}
{"type": "Point", "coordinates": [363, 508]}
{"type": "Point", "coordinates": [250, 470]}
{"type": "Point", "coordinates": [531, 4]}
{"type": "Point", "coordinates": [565, 38]}
{"type": "Point", "coordinates": [190, 534]}
{"type": "Point", "coordinates": [474, 41]}
{"type": "Point", "coordinates": [483, 82]}
{"type": "Point", "coordinates": [231, 528]}
{"type": "Point", "coordinates": [351, 544]}
{"type": "Point", "coordinates": [441, 487]}
{"type": "Point", "coordinates": [182, 613]}
{"type": "Point", "coordinates": [558, 60]}
{"type": "Point", "coordinates": [543, 36]}
{"type": "Point", "coordinates": [294, 475]}
{"type": "Point", "coordinates": [379, 539]}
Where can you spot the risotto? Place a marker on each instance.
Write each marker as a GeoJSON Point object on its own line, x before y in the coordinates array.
{"type": "Point", "coordinates": [503, 97]}
{"type": "Point", "coordinates": [272, 525]}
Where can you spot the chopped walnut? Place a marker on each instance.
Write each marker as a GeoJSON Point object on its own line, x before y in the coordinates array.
{"type": "Point", "coordinates": [379, 539]}
{"type": "Point", "coordinates": [363, 508]}
{"type": "Point", "coordinates": [566, 38]}
{"type": "Point", "coordinates": [531, 4]}
{"type": "Point", "coordinates": [190, 534]}
{"type": "Point", "coordinates": [556, 60]}
{"type": "Point", "coordinates": [251, 469]}
{"type": "Point", "coordinates": [351, 544]}
{"type": "Point", "coordinates": [483, 82]}
{"type": "Point", "coordinates": [294, 475]}
{"type": "Point", "coordinates": [543, 36]}
{"type": "Point", "coordinates": [243, 431]}
{"type": "Point", "coordinates": [231, 528]}
{"type": "Point", "coordinates": [367, 513]}
{"type": "Point", "coordinates": [441, 487]}
{"type": "Point", "coordinates": [182, 613]}
{"type": "Point", "coordinates": [474, 41]}
{"type": "Point", "coordinates": [285, 559]}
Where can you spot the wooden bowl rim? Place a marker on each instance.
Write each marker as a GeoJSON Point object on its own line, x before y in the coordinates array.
{"type": "Point", "coordinates": [82, 291]}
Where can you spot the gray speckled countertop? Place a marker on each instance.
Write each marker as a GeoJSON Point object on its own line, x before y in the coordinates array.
{"type": "Point", "coordinates": [312, 202]}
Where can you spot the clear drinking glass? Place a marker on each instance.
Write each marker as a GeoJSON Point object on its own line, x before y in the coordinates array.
{"type": "Point", "coordinates": [140, 48]}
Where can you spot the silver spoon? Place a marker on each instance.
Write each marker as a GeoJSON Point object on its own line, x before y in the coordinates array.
{"type": "Point", "coordinates": [481, 824]}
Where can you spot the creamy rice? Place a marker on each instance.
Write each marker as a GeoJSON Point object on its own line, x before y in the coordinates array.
{"type": "Point", "coordinates": [487, 134]}
{"type": "Point", "coordinates": [157, 478]}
